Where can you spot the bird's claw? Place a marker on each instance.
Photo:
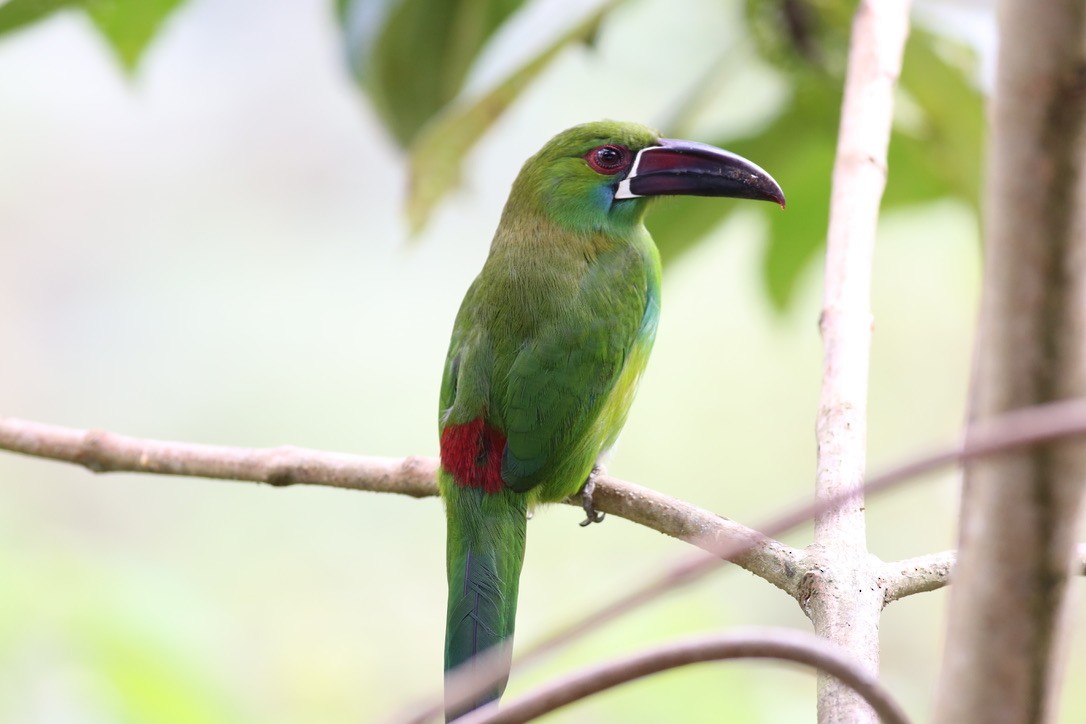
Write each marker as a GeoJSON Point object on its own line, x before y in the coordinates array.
{"type": "Point", "coordinates": [586, 500]}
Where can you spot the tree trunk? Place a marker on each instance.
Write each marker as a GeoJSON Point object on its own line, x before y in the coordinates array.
{"type": "Point", "coordinates": [1020, 510]}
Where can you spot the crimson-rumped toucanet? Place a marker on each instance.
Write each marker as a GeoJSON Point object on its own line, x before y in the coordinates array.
{"type": "Point", "coordinates": [548, 347]}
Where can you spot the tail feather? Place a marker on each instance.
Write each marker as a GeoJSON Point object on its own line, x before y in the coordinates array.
{"type": "Point", "coordinates": [484, 556]}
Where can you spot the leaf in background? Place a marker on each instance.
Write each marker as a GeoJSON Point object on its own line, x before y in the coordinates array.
{"type": "Point", "coordinates": [798, 234]}
{"type": "Point", "coordinates": [801, 143]}
{"type": "Point", "coordinates": [129, 25]}
{"type": "Point", "coordinates": [411, 56]}
{"type": "Point", "coordinates": [801, 36]}
{"type": "Point", "coordinates": [797, 148]}
{"type": "Point", "coordinates": [939, 155]}
{"type": "Point", "coordinates": [936, 156]}
{"type": "Point", "coordinates": [807, 42]}
{"type": "Point", "coordinates": [17, 13]}
{"type": "Point", "coordinates": [438, 153]}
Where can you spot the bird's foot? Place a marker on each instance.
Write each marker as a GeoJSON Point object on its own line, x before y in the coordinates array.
{"type": "Point", "coordinates": [586, 500]}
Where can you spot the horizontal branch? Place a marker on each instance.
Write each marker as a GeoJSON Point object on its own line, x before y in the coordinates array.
{"type": "Point", "coordinates": [107, 452]}
{"type": "Point", "coordinates": [916, 575]}
{"type": "Point", "coordinates": [103, 452]}
{"type": "Point", "coordinates": [755, 643]}
{"type": "Point", "coordinates": [933, 571]}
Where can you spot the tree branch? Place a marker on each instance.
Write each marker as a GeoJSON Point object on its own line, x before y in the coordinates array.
{"type": "Point", "coordinates": [934, 571]}
{"type": "Point", "coordinates": [757, 643]}
{"type": "Point", "coordinates": [101, 452]}
{"type": "Point", "coordinates": [844, 603]}
{"type": "Point", "coordinates": [759, 554]}
{"type": "Point", "coordinates": [106, 452]}
{"type": "Point", "coordinates": [916, 575]}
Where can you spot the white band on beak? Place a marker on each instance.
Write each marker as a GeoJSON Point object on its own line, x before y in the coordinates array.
{"type": "Point", "coordinates": [623, 190]}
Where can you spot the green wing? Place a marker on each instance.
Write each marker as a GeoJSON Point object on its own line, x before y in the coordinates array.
{"type": "Point", "coordinates": [453, 406]}
{"type": "Point", "coordinates": [562, 377]}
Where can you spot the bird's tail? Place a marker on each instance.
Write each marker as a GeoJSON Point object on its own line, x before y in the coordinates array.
{"type": "Point", "coordinates": [485, 550]}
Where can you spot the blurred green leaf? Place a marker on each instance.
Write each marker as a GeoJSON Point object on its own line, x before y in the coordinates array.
{"type": "Point", "coordinates": [800, 147]}
{"type": "Point", "coordinates": [411, 56]}
{"type": "Point", "coordinates": [798, 234]}
{"type": "Point", "coordinates": [437, 154]}
{"type": "Point", "coordinates": [797, 148]}
{"type": "Point", "coordinates": [17, 13]}
{"type": "Point", "coordinates": [940, 154]}
{"type": "Point", "coordinates": [801, 36]}
{"type": "Point", "coordinates": [130, 25]}
{"type": "Point", "coordinates": [937, 155]}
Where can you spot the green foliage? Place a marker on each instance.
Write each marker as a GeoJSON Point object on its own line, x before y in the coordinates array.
{"type": "Point", "coordinates": [128, 25]}
{"type": "Point", "coordinates": [798, 146]}
{"type": "Point", "coordinates": [438, 152]}
{"type": "Point", "coordinates": [939, 153]}
{"type": "Point", "coordinates": [934, 154]}
{"type": "Point", "coordinates": [411, 57]}
{"type": "Point", "coordinates": [800, 35]}
{"type": "Point", "coordinates": [17, 13]}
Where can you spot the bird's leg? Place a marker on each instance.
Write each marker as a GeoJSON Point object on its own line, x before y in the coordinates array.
{"type": "Point", "coordinates": [586, 499]}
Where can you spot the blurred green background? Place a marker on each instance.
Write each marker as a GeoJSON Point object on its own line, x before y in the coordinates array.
{"type": "Point", "coordinates": [213, 248]}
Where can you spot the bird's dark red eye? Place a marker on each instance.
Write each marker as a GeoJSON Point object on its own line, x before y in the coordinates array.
{"type": "Point", "coordinates": [608, 159]}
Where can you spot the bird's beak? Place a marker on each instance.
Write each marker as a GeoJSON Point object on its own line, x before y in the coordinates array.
{"type": "Point", "coordinates": [686, 168]}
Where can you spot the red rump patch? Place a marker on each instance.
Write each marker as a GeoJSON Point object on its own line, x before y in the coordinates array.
{"type": "Point", "coordinates": [472, 454]}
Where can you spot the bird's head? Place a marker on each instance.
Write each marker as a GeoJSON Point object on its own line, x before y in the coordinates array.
{"type": "Point", "coordinates": [602, 175]}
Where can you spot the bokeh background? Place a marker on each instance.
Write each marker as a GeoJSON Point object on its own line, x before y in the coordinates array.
{"type": "Point", "coordinates": [213, 249]}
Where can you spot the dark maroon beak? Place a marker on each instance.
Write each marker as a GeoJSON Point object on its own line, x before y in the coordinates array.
{"type": "Point", "coordinates": [686, 168]}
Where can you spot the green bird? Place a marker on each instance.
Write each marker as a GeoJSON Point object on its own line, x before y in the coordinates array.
{"type": "Point", "coordinates": [547, 350]}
